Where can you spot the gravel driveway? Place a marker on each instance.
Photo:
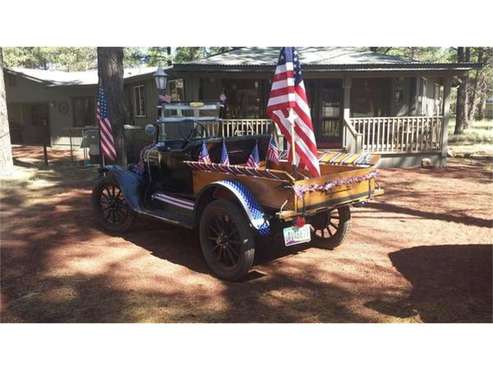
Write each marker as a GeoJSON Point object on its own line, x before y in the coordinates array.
{"type": "Point", "coordinates": [420, 253]}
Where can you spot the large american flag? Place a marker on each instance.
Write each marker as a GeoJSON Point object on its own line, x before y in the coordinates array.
{"type": "Point", "coordinates": [106, 140]}
{"type": "Point", "coordinates": [288, 106]}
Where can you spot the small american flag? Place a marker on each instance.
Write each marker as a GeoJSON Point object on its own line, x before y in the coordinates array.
{"type": "Point", "coordinates": [204, 154]}
{"type": "Point", "coordinates": [164, 99]}
{"type": "Point", "coordinates": [253, 158]}
{"type": "Point", "coordinates": [288, 108]}
{"type": "Point", "coordinates": [273, 151]}
{"type": "Point", "coordinates": [224, 155]}
{"type": "Point", "coordinates": [106, 134]}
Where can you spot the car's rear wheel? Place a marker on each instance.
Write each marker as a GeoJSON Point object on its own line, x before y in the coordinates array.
{"type": "Point", "coordinates": [227, 240]}
{"type": "Point", "coordinates": [330, 228]}
{"type": "Point", "coordinates": [110, 207]}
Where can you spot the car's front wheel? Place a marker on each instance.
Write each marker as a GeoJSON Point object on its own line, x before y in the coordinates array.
{"type": "Point", "coordinates": [110, 207]}
{"type": "Point", "coordinates": [227, 240]}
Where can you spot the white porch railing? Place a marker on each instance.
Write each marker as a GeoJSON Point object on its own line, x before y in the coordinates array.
{"type": "Point", "coordinates": [373, 134]}
{"type": "Point", "coordinates": [399, 134]}
{"type": "Point", "coordinates": [351, 139]}
{"type": "Point", "coordinates": [239, 127]}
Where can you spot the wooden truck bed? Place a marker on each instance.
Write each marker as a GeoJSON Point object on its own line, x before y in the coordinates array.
{"type": "Point", "coordinates": [286, 196]}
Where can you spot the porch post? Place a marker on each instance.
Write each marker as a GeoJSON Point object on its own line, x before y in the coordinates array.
{"type": "Point", "coordinates": [348, 139]}
{"type": "Point", "coordinates": [446, 113]}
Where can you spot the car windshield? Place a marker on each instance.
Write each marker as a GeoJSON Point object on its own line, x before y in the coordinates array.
{"type": "Point", "coordinates": [189, 121]}
{"type": "Point", "coordinates": [188, 128]}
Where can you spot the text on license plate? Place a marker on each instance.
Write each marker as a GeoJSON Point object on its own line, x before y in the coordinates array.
{"type": "Point", "coordinates": [296, 235]}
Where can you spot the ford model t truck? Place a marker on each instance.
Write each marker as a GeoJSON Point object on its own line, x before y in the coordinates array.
{"type": "Point", "coordinates": [234, 206]}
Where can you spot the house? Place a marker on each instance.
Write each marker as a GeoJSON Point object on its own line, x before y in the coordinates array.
{"type": "Point", "coordinates": [55, 106]}
{"type": "Point", "coordinates": [360, 100]}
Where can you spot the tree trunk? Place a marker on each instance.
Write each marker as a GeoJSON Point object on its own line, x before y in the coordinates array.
{"type": "Point", "coordinates": [461, 106]}
{"type": "Point", "coordinates": [6, 164]}
{"type": "Point", "coordinates": [168, 55]}
{"type": "Point", "coordinates": [110, 73]}
{"type": "Point", "coordinates": [481, 107]}
{"type": "Point", "coordinates": [474, 93]}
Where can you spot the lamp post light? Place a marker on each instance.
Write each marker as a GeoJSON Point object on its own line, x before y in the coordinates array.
{"type": "Point", "coordinates": [161, 79]}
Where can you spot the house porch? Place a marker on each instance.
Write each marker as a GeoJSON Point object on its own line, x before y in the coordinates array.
{"type": "Point", "coordinates": [404, 119]}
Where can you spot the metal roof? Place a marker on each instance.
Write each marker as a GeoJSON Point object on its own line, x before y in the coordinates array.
{"type": "Point", "coordinates": [321, 59]}
{"type": "Point", "coordinates": [62, 78]}
{"type": "Point", "coordinates": [258, 59]}
{"type": "Point", "coordinates": [308, 55]}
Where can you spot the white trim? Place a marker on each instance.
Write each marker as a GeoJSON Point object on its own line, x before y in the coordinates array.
{"type": "Point", "coordinates": [142, 98]}
{"type": "Point", "coordinates": [178, 202]}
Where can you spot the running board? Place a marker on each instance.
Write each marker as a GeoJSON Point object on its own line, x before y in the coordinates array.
{"type": "Point", "coordinates": [181, 203]}
{"type": "Point", "coordinates": [177, 211]}
{"type": "Point", "coordinates": [168, 217]}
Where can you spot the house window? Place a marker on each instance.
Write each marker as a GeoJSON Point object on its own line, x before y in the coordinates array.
{"type": "Point", "coordinates": [176, 90]}
{"type": "Point", "coordinates": [84, 111]}
{"type": "Point", "coordinates": [139, 101]}
{"type": "Point", "coordinates": [244, 98]}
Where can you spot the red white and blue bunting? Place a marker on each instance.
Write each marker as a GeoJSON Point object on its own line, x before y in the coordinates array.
{"type": "Point", "coordinates": [239, 170]}
{"type": "Point", "coordinates": [300, 190]}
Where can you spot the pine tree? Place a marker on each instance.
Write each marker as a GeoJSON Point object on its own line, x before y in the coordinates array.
{"type": "Point", "coordinates": [110, 73]}
{"type": "Point", "coordinates": [6, 164]}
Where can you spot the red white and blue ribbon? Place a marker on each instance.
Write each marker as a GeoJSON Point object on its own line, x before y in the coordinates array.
{"type": "Point", "coordinates": [300, 190]}
{"type": "Point", "coordinates": [240, 170]}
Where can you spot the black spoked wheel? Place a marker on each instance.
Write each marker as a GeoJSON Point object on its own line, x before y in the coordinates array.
{"type": "Point", "coordinates": [330, 228]}
{"type": "Point", "coordinates": [110, 206]}
{"type": "Point", "coordinates": [227, 240]}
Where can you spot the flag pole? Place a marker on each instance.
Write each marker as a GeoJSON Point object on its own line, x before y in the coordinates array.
{"type": "Point", "coordinates": [101, 154]}
{"type": "Point", "coordinates": [293, 149]}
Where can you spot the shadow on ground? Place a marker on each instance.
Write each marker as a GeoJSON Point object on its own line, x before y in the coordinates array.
{"type": "Point", "coordinates": [462, 219]}
{"type": "Point", "coordinates": [57, 266]}
{"type": "Point", "coordinates": [450, 283]}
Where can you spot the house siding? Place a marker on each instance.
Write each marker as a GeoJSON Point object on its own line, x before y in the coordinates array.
{"type": "Point", "coordinates": [25, 91]}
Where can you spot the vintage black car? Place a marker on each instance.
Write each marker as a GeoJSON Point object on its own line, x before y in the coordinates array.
{"type": "Point", "coordinates": [231, 205]}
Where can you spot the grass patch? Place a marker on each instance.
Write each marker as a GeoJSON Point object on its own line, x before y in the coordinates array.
{"type": "Point", "coordinates": [479, 132]}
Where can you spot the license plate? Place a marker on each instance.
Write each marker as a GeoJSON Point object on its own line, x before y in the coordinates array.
{"type": "Point", "coordinates": [296, 235]}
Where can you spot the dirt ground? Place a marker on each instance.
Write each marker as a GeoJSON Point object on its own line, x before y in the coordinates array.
{"type": "Point", "coordinates": [420, 253]}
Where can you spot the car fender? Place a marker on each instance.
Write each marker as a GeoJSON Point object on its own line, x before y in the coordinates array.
{"type": "Point", "coordinates": [246, 199]}
{"type": "Point", "coordinates": [130, 183]}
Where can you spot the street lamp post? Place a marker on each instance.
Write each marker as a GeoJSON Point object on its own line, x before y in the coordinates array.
{"type": "Point", "coordinates": [161, 78]}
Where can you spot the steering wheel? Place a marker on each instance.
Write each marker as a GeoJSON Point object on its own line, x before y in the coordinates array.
{"type": "Point", "coordinates": [198, 131]}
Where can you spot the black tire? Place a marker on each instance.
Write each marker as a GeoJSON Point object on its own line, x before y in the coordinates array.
{"type": "Point", "coordinates": [110, 207]}
{"type": "Point", "coordinates": [227, 240]}
{"type": "Point", "coordinates": [330, 228]}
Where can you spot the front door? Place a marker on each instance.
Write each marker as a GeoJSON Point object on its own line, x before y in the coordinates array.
{"type": "Point", "coordinates": [325, 99]}
{"type": "Point", "coordinates": [40, 124]}
{"type": "Point", "coordinates": [329, 131]}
